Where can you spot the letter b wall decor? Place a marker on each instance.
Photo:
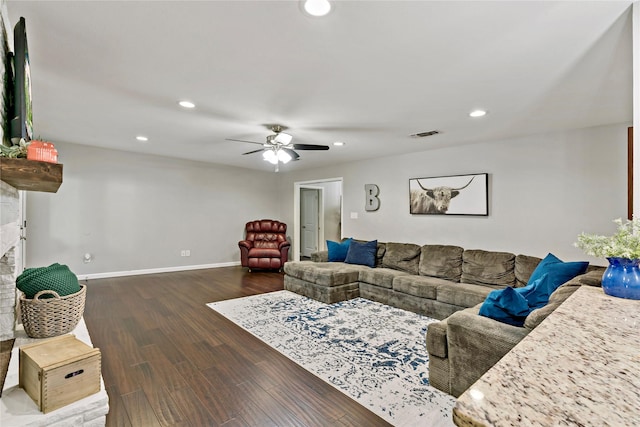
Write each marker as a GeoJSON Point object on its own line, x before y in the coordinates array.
{"type": "Point", "coordinates": [372, 201]}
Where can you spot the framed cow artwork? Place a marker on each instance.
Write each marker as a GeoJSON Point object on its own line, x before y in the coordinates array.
{"type": "Point", "coordinates": [450, 195]}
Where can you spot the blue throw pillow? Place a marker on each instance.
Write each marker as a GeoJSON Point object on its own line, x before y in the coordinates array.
{"type": "Point", "coordinates": [538, 292]}
{"type": "Point", "coordinates": [559, 272]}
{"type": "Point", "coordinates": [513, 305]}
{"type": "Point", "coordinates": [338, 250]}
{"type": "Point", "coordinates": [505, 305]}
{"type": "Point", "coordinates": [362, 253]}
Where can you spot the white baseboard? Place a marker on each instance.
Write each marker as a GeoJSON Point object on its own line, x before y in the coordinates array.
{"type": "Point", "coordinates": [154, 270]}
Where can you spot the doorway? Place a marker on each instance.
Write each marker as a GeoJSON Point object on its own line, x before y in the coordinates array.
{"type": "Point", "coordinates": [329, 215]}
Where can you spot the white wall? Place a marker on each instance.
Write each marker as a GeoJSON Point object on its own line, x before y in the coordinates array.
{"type": "Point", "coordinates": [543, 191]}
{"type": "Point", "coordinates": [136, 212]}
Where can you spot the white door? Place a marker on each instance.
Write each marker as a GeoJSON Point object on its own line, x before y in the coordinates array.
{"type": "Point", "coordinates": [309, 203]}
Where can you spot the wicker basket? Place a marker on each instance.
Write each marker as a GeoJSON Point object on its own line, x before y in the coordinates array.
{"type": "Point", "coordinates": [44, 318]}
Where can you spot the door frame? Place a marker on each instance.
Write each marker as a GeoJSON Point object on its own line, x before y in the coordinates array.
{"type": "Point", "coordinates": [296, 213]}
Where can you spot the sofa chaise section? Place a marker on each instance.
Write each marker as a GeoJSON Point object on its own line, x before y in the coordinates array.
{"type": "Point", "coordinates": [327, 282]}
{"type": "Point", "coordinates": [465, 345]}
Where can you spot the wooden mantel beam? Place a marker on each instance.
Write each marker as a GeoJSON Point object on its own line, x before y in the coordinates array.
{"type": "Point", "coordinates": [31, 175]}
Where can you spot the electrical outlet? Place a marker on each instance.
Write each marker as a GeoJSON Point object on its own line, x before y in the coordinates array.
{"type": "Point", "coordinates": [187, 252]}
{"type": "Point", "coordinates": [183, 253]}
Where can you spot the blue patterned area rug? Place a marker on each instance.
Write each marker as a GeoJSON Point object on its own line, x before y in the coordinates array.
{"type": "Point", "coordinates": [371, 352]}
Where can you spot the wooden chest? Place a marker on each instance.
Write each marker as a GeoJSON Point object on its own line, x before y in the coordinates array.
{"type": "Point", "coordinates": [58, 371]}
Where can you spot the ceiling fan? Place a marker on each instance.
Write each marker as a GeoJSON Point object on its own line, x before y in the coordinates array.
{"type": "Point", "coordinates": [278, 147]}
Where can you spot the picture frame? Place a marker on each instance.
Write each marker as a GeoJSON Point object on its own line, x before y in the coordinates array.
{"type": "Point", "coordinates": [450, 195]}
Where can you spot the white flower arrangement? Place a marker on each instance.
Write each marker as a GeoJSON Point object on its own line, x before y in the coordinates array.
{"type": "Point", "coordinates": [625, 243]}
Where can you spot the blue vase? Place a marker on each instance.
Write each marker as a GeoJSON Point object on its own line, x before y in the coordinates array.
{"type": "Point", "coordinates": [622, 278]}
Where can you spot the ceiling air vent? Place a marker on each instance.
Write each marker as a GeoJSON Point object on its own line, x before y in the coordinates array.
{"type": "Point", "coordinates": [423, 134]}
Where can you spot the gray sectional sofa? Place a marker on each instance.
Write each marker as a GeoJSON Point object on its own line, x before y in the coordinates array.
{"type": "Point", "coordinates": [443, 282]}
{"type": "Point", "coordinates": [434, 280]}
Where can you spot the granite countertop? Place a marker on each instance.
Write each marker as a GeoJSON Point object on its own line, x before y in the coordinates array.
{"type": "Point", "coordinates": [579, 367]}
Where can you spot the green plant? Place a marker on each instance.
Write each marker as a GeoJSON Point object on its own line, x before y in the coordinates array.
{"type": "Point", "coordinates": [625, 243]}
{"type": "Point", "coordinates": [15, 151]}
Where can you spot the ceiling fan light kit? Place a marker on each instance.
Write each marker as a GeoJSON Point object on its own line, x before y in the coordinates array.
{"type": "Point", "coordinates": [270, 156]}
{"type": "Point", "coordinates": [284, 157]}
{"type": "Point", "coordinates": [276, 155]}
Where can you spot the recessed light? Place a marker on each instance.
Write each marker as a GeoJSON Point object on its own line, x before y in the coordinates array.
{"type": "Point", "coordinates": [338, 143]}
{"type": "Point", "coordinates": [187, 104]}
{"type": "Point", "coordinates": [477, 113]}
{"type": "Point", "coordinates": [142, 138]}
{"type": "Point", "coordinates": [317, 7]}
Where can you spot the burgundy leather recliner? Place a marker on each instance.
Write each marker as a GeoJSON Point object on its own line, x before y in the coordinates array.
{"type": "Point", "coordinates": [265, 245]}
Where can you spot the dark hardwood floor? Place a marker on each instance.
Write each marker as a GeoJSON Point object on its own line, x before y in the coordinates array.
{"type": "Point", "coordinates": [169, 360]}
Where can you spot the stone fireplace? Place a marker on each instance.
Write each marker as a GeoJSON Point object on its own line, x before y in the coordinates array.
{"type": "Point", "coordinates": [9, 262]}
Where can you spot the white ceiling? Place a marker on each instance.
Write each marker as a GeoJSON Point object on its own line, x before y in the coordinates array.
{"type": "Point", "coordinates": [370, 74]}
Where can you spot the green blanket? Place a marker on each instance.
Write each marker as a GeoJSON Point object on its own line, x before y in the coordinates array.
{"type": "Point", "coordinates": [55, 277]}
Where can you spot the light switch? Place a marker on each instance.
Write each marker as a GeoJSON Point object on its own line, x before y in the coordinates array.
{"type": "Point", "coordinates": [354, 215]}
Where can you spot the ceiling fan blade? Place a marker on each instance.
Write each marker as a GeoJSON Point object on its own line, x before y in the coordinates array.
{"type": "Point", "coordinates": [254, 151]}
{"type": "Point", "coordinates": [294, 156]}
{"type": "Point", "coordinates": [310, 147]}
{"type": "Point", "coordinates": [242, 140]}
